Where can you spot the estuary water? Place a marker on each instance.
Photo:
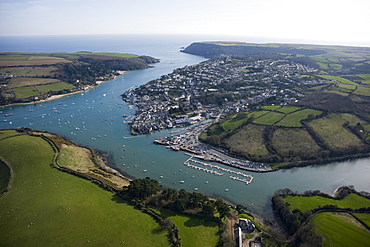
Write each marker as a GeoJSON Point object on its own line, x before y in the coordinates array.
{"type": "Point", "coordinates": [94, 118]}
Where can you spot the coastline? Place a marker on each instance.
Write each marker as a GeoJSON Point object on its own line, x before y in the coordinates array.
{"type": "Point", "coordinates": [58, 96]}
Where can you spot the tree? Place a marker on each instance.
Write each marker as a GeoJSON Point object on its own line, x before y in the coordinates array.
{"type": "Point", "coordinates": [143, 188]}
{"type": "Point", "coordinates": [222, 208]}
{"type": "Point", "coordinates": [209, 209]}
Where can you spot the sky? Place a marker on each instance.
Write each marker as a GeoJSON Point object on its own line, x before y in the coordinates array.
{"type": "Point", "coordinates": [343, 22]}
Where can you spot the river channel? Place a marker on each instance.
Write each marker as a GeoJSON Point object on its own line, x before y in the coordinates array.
{"type": "Point", "coordinates": [94, 118]}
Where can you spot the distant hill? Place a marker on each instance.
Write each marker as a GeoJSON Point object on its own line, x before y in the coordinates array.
{"type": "Point", "coordinates": [336, 60]}
{"type": "Point", "coordinates": [28, 77]}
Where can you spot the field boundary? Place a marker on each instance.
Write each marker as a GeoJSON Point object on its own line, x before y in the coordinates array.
{"type": "Point", "coordinates": [10, 181]}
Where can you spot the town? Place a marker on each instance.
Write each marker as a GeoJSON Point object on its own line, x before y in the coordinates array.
{"type": "Point", "coordinates": [213, 89]}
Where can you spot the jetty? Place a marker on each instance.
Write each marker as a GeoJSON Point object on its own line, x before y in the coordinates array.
{"type": "Point", "coordinates": [244, 179]}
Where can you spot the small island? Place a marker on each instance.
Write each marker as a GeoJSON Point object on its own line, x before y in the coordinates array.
{"type": "Point", "coordinates": [31, 77]}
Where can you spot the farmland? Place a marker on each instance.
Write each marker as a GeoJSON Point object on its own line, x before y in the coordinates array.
{"type": "Point", "coordinates": [332, 132]}
{"type": "Point", "coordinates": [195, 231]}
{"type": "Point", "coordinates": [339, 232]}
{"type": "Point", "coordinates": [293, 141]}
{"type": "Point", "coordinates": [289, 134]}
{"type": "Point", "coordinates": [29, 71]}
{"type": "Point", "coordinates": [248, 140]}
{"type": "Point", "coordinates": [294, 119]}
{"type": "Point", "coordinates": [22, 82]}
{"type": "Point", "coordinates": [48, 207]}
{"type": "Point", "coordinates": [353, 201]}
{"type": "Point", "coordinates": [62, 72]}
{"type": "Point", "coordinates": [55, 87]}
{"type": "Point", "coordinates": [341, 220]}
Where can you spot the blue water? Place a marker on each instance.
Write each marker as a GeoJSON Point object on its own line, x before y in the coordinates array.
{"type": "Point", "coordinates": [94, 118]}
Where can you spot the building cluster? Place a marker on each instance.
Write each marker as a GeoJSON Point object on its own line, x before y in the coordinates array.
{"type": "Point", "coordinates": [216, 86]}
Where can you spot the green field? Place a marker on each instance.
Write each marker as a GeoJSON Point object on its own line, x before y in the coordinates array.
{"type": "Point", "coordinates": [25, 92]}
{"type": "Point", "coordinates": [55, 87]}
{"type": "Point", "coordinates": [366, 78]}
{"type": "Point", "coordinates": [303, 203]}
{"type": "Point", "coordinates": [73, 55]}
{"type": "Point", "coordinates": [271, 107]}
{"type": "Point", "coordinates": [339, 232]}
{"type": "Point", "coordinates": [29, 71]}
{"type": "Point", "coordinates": [292, 141]}
{"type": "Point", "coordinates": [364, 217]}
{"type": "Point", "coordinates": [365, 91]}
{"type": "Point", "coordinates": [339, 79]}
{"type": "Point", "coordinates": [233, 123]}
{"type": "Point", "coordinates": [269, 118]}
{"type": "Point", "coordinates": [248, 140]}
{"type": "Point", "coordinates": [47, 207]}
{"type": "Point", "coordinates": [14, 58]}
{"type": "Point", "coordinates": [24, 81]}
{"type": "Point", "coordinates": [333, 133]}
{"type": "Point", "coordinates": [288, 109]}
{"type": "Point", "coordinates": [194, 230]}
{"type": "Point", "coordinates": [294, 119]}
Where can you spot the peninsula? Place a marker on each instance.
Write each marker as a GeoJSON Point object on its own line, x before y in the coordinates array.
{"type": "Point", "coordinates": [31, 77]}
{"type": "Point", "coordinates": [284, 105]}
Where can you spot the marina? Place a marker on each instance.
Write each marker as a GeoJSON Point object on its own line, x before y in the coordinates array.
{"type": "Point", "coordinates": [244, 180]}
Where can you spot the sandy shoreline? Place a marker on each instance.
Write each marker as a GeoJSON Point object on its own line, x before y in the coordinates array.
{"type": "Point", "coordinates": [53, 97]}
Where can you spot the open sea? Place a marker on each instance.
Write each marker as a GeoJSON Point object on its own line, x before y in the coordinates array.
{"type": "Point", "coordinates": [94, 118]}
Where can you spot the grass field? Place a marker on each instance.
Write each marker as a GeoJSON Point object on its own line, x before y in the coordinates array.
{"type": "Point", "coordinates": [364, 217]}
{"type": "Point", "coordinates": [287, 109]}
{"type": "Point", "coordinates": [339, 79]}
{"type": "Point", "coordinates": [25, 92]}
{"type": "Point", "coordinates": [194, 230]}
{"type": "Point", "coordinates": [14, 58]}
{"type": "Point", "coordinates": [28, 71]}
{"type": "Point", "coordinates": [294, 119]}
{"type": "Point", "coordinates": [269, 118]}
{"type": "Point", "coordinates": [271, 107]}
{"type": "Point", "coordinates": [46, 207]}
{"type": "Point", "coordinates": [331, 130]}
{"type": "Point", "coordinates": [55, 87]}
{"type": "Point", "coordinates": [338, 232]}
{"type": "Point", "coordinates": [73, 55]}
{"type": "Point", "coordinates": [302, 203]}
{"type": "Point", "coordinates": [365, 91]}
{"type": "Point", "coordinates": [24, 81]}
{"type": "Point", "coordinates": [294, 142]}
{"type": "Point", "coordinates": [233, 123]}
{"type": "Point", "coordinates": [248, 140]}
{"type": "Point", "coordinates": [366, 78]}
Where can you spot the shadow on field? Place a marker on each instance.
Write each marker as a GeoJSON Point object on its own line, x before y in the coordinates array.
{"type": "Point", "coordinates": [195, 221]}
{"type": "Point", "coordinates": [118, 199]}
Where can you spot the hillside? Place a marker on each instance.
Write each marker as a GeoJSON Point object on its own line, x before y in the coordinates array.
{"type": "Point", "coordinates": [296, 135]}
{"type": "Point", "coordinates": [336, 60]}
{"type": "Point", "coordinates": [27, 77]}
{"type": "Point", "coordinates": [327, 119]}
{"type": "Point", "coordinates": [323, 220]}
{"type": "Point", "coordinates": [54, 192]}
{"type": "Point", "coordinates": [44, 206]}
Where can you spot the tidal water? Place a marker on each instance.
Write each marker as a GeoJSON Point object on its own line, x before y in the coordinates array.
{"type": "Point", "coordinates": [94, 118]}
